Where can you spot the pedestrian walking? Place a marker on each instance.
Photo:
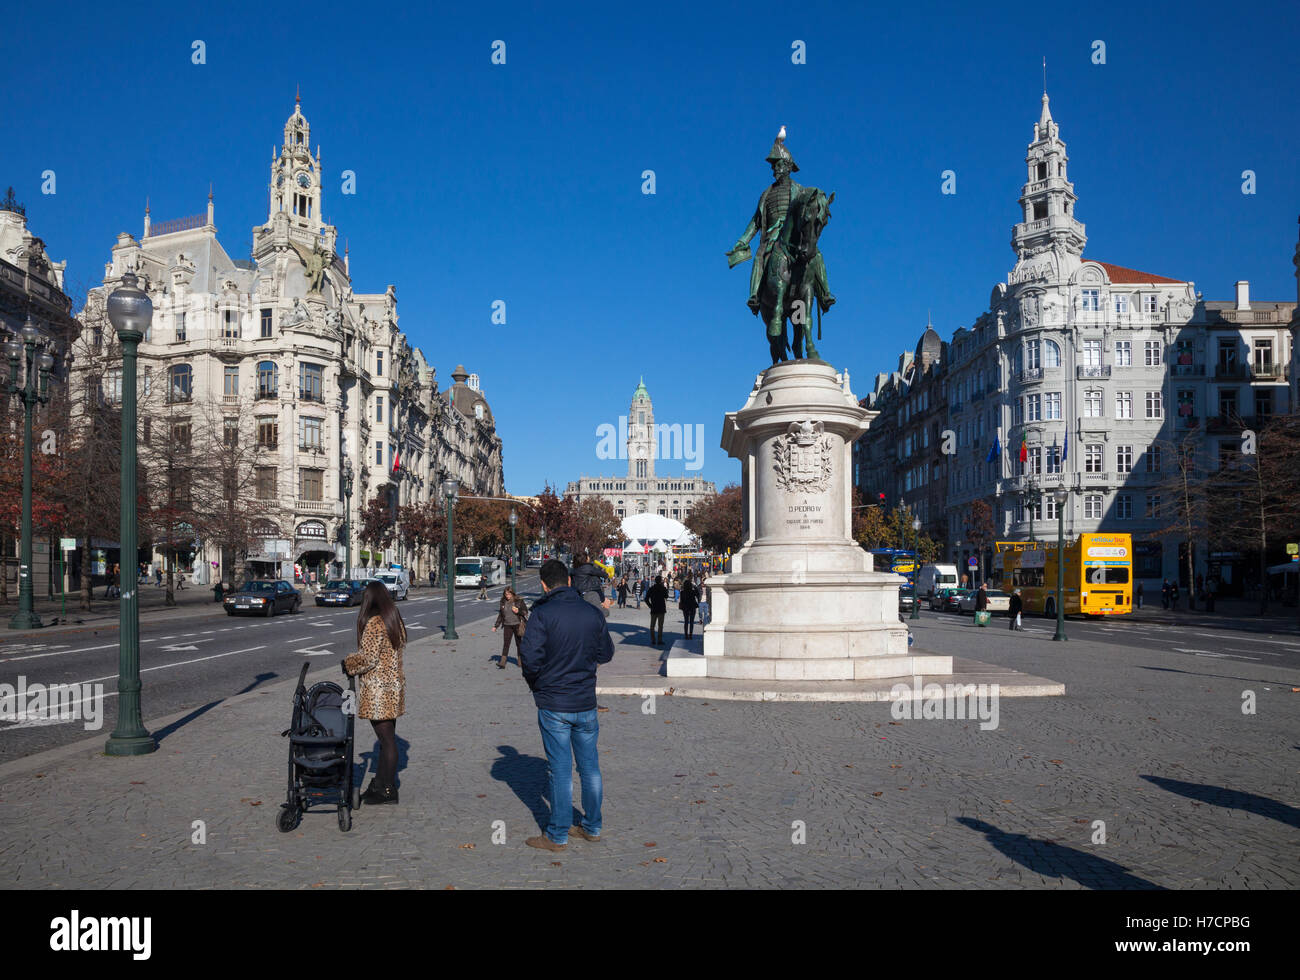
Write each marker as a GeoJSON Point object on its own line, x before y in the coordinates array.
{"type": "Point", "coordinates": [1014, 607]}
{"type": "Point", "coordinates": [381, 637]}
{"type": "Point", "coordinates": [688, 603]}
{"type": "Point", "coordinates": [981, 603]}
{"type": "Point", "coordinates": [1139, 595]}
{"type": "Point", "coordinates": [482, 585]}
{"type": "Point", "coordinates": [559, 659]}
{"type": "Point", "coordinates": [657, 600]}
{"type": "Point", "coordinates": [1173, 596]}
{"type": "Point", "coordinates": [639, 591]}
{"type": "Point", "coordinates": [513, 615]}
{"type": "Point", "coordinates": [1211, 590]}
{"type": "Point", "coordinates": [622, 592]}
{"type": "Point", "coordinates": [157, 571]}
{"type": "Point", "coordinates": [1164, 595]}
{"type": "Point", "coordinates": [433, 578]}
{"type": "Point", "coordinates": [705, 596]}
{"type": "Point", "coordinates": [180, 579]}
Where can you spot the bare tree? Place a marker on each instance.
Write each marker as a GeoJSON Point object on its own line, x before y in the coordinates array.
{"type": "Point", "coordinates": [1182, 496]}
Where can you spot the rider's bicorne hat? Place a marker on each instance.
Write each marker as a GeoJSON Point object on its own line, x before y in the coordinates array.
{"type": "Point", "coordinates": [779, 152]}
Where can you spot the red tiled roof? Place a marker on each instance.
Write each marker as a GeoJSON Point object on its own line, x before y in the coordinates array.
{"type": "Point", "coordinates": [1119, 273]}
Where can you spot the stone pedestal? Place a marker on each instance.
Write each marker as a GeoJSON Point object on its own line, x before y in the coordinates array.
{"type": "Point", "coordinates": [802, 601]}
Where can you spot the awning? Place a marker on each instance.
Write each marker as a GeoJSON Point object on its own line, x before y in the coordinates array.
{"type": "Point", "coordinates": [1286, 568]}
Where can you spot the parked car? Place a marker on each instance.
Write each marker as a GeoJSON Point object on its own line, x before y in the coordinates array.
{"type": "Point", "coordinates": [946, 600]}
{"type": "Point", "coordinates": [999, 601]}
{"type": "Point", "coordinates": [906, 599]}
{"type": "Point", "coordinates": [341, 592]}
{"type": "Point", "coordinates": [397, 581]}
{"type": "Point", "coordinates": [263, 597]}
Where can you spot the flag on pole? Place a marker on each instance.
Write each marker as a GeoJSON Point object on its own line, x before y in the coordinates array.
{"type": "Point", "coordinates": [397, 460]}
{"type": "Point", "coordinates": [1066, 454]}
{"type": "Point", "coordinates": [995, 450]}
{"type": "Point", "coordinates": [1024, 447]}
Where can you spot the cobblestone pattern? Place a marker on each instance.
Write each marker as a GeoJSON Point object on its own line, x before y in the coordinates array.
{"type": "Point", "coordinates": [1194, 794]}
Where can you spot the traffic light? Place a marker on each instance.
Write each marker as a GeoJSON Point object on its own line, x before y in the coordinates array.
{"type": "Point", "coordinates": [882, 501]}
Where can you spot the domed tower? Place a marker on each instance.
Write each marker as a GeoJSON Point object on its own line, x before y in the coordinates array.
{"type": "Point", "coordinates": [1047, 199]}
{"type": "Point", "coordinates": [928, 349]}
{"type": "Point", "coordinates": [640, 435]}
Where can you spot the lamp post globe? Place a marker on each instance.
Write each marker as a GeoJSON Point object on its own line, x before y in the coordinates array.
{"type": "Point", "coordinates": [1062, 498]}
{"type": "Point", "coordinates": [130, 311]}
{"type": "Point", "coordinates": [449, 488]}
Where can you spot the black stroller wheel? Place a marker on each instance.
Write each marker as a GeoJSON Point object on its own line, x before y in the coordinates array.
{"type": "Point", "coordinates": [345, 818]}
{"type": "Point", "coordinates": [356, 797]}
{"type": "Point", "coordinates": [288, 818]}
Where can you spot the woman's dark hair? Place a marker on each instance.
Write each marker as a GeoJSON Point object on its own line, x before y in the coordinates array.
{"type": "Point", "coordinates": [507, 591]}
{"type": "Point", "coordinates": [376, 601]}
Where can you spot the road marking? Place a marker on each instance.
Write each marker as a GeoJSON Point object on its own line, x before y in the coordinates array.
{"type": "Point", "coordinates": [332, 632]}
{"type": "Point", "coordinates": [55, 653]}
{"type": "Point", "coordinates": [299, 639]}
{"type": "Point", "coordinates": [179, 663]}
{"type": "Point", "coordinates": [415, 626]}
{"type": "Point", "coordinates": [1185, 650]}
{"type": "Point", "coordinates": [184, 647]}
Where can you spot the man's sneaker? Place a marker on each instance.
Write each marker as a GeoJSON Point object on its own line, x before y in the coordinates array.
{"type": "Point", "coordinates": [544, 843]}
{"type": "Point", "coordinates": [579, 832]}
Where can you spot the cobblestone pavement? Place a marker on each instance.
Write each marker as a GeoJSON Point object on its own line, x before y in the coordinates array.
{"type": "Point", "coordinates": [1193, 793]}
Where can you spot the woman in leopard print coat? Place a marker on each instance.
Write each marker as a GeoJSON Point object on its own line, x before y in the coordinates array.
{"type": "Point", "coordinates": [381, 636]}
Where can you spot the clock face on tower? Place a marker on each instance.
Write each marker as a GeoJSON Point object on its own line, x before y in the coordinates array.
{"type": "Point", "coordinates": [304, 180]}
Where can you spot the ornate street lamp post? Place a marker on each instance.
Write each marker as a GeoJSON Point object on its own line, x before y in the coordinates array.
{"type": "Point", "coordinates": [916, 567]}
{"type": "Point", "coordinates": [130, 312]}
{"type": "Point", "coordinates": [33, 390]}
{"type": "Point", "coordinates": [449, 488]}
{"type": "Point", "coordinates": [514, 557]}
{"type": "Point", "coordinates": [1062, 497]}
{"type": "Point", "coordinates": [347, 518]}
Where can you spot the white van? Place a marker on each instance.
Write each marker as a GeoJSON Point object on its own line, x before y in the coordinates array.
{"type": "Point", "coordinates": [931, 578]}
{"type": "Point", "coordinates": [396, 580]}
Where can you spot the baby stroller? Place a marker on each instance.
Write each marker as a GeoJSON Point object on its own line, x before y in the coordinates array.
{"type": "Point", "coordinates": [320, 752]}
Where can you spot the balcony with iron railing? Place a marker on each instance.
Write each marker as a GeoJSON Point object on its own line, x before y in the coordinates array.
{"type": "Point", "coordinates": [1092, 371]}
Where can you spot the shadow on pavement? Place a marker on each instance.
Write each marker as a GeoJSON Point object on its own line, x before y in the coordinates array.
{"type": "Point", "coordinates": [1231, 799]}
{"type": "Point", "coordinates": [369, 761]}
{"type": "Point", "coordinates": [1052, 860]}
{"type": "Point", "coordinates": [180, 723]}
{"type": "Point", "coordinates": [528, 777]}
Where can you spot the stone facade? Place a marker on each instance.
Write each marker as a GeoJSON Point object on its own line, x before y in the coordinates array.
{"type": "Point", "coordinates": [317, 373]}
{"type": "Point", "coordinates": [1091, 367]}
{"type": "Point", "coordinates": [643, 491]}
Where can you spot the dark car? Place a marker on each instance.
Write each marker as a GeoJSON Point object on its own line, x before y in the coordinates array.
{"type": "Point", "coordinates": [263, 598]}
{"type": "Point", "coordinates": [340, 592]}
{"type": "Point", "coordinates": [906, 598]}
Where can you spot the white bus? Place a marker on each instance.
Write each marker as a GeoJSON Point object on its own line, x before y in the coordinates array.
{"type": "Point", "coordinates": [470, 569]}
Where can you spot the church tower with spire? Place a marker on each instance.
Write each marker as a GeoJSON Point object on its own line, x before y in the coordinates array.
{"type": "Point", "coordinates": [641, 435]}
{"type": "Point", "coordinates": [1047, 198]}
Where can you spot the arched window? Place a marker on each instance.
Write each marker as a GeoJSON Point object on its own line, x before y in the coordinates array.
{"type": "Point", "coordinates": [268, 379]}
{"type": "Point", "coordinates": [1051, 353]}
{"type": "Point", "coordinates": [179, 383]}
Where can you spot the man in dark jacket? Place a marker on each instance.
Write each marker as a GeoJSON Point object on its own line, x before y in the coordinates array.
{"type": "Point", "coordinates": [566, 639]}
{"type": "Point", "coordinates": [656, 598]}
{"type": "Point", "coordinates": [1014, 608]}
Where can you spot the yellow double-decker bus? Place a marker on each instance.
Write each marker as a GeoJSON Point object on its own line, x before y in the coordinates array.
{"type": "Point", "coordinates": [1098, 574]}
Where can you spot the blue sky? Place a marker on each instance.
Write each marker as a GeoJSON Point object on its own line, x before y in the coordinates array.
{"type": "Point", "coordinates": [522, 182]}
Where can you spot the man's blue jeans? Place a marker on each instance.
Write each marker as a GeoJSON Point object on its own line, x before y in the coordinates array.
{"type": "Point", "coordinates": [570, 736]}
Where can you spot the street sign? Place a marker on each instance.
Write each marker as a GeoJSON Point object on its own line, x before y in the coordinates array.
{"type": "Point", "coordinates": [1293, 548]}
{"type": "Point", "coordinates": [972, 563]}
{"type": "Point", "coordinates": [70, 544]}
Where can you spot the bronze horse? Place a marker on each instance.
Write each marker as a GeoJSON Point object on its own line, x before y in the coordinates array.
{"type": "Point", "coordinates": [787, 291]}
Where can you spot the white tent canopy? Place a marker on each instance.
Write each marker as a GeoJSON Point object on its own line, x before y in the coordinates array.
{"type": "Point", "coordinates": [650, 528]}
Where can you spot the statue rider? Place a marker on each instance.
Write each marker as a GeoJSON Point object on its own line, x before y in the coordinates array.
{"type": "Point", "coordinates": [769, 218]}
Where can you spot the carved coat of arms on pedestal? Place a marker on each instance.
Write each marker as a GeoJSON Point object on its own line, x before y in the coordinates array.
{"type": "Point", "coordinates": [803, 458]}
